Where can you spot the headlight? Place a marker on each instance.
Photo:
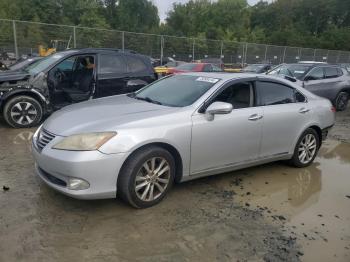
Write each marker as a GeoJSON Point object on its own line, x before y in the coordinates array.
{"type": "Point", "coordinates": [84, 142]}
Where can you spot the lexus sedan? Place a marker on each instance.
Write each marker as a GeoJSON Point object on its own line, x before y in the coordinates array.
{"type": "Point", "coordinates": [176, 129]}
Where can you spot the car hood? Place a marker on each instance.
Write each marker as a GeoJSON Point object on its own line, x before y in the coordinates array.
{"type": "Point", "coordinates": [13, 76]}
{"type": "Point", "coordinates": [104, 114]}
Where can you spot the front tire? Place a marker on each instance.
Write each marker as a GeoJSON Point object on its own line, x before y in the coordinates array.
{"type": "Point", "coordinates": [306, 148]}
{"type": "Point", "coordinates": [341, 102]}
{"type": "Point", "coordinates": [146, 177]}
{"type": "Point", "coordinates": [23, 111]}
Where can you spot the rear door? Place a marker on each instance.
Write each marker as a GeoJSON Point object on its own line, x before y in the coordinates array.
{"type": "Point", "coordinates": [112, 72]}
{"type": "Point", "coordinates": [285, 115]}
{"type": "Point", "coordinates": [138, 69]}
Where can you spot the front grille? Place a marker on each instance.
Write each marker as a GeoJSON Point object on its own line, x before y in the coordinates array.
{"type": "Point", "coordinates": [44, 137]}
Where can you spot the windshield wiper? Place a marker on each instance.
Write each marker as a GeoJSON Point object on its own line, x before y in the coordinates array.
{"type": "Point", "coordinates": [147, 99]}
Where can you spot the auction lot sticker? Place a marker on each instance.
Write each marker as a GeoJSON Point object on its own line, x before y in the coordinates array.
{"type": "Point", "coordinates": [207, 79]}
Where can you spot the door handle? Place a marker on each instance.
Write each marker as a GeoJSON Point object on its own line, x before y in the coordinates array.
{"type": "Point", "coordinates": [255, 117]}
{"type": "Point", "coordinates": [303, 110]}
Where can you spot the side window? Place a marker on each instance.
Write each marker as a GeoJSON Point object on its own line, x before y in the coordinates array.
{"type": "Point", "coordinates": [316, 74]}
{"type": "Point", "coordinates": [135, 64]}
{"type": "Point", "coordinates": [331, 72]}
{"type": "Point", "coordinates": [67, 64]}
{"type": "Point", "coordinates": [112, 64]}
{"type": "Point", "coordinates": [216, 68]}
{"type": "Point", "coordinates": [239, 95]}
{"type": "Point", "coordinates": [299, 97]}
{"type": "Point", "coordinates": [207, 68]}
{"type": "Point", "coordinates": [270, 93]}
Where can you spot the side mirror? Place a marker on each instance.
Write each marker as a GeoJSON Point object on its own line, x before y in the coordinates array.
{"type": "Point", "coordinates": [219, 108]}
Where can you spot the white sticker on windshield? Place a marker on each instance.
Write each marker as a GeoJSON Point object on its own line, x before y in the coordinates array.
{"type": "Point", "coordinates": [207, 79]}
{"type": "Point", "coordinates": [57, 56]}
{"type": "Point", "coordinates": [299, 72]}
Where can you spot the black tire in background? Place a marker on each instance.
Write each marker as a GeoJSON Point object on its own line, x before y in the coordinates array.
{"type": "Point", "coordinates": [23, 111]}
{"type": "Point", "coordinates": [341, 102]}
{"type": "Point", "coordinates": [297, 160]}
{"type": "Point", "coordinates": [129, 177]}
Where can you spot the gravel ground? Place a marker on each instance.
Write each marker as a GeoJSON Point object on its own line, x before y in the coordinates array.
{"type": "Point", "coordinates": [267, 213]}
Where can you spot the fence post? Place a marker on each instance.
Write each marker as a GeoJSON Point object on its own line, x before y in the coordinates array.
{"type": "Point", "coordinates": [74, 37]}
{"type": "Point", "coordinates": [161, 49]}
{"type": "Point", "coordinates": [338, 57]}
{"type": "Point", "coordinates": [315, 55]}
{"type": "Point", "coordinates": [193, 45]}
{"type": "Point", "coordinates": [284, 54]}
{"type": "Point", "coordinates": [265, 53]}
{"type": "Point", "coordinates": [123, 41]}
{"type": "Point", "coordinates": [15, 38]}
{"type": "Point", "coordinates": [221, 49]}
{"type": "Point", "coordinates": [245, 54]}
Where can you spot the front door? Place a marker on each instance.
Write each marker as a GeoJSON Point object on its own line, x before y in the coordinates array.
{"type": "Point", "coordinates": [226, 140]}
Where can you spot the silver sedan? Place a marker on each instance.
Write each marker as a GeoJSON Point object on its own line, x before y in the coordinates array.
{"type": "Point", "coordinates": [179, 128]}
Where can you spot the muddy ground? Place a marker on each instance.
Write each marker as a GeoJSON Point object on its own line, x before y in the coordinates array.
{"type": "Point", "coordinates": [267, 213]}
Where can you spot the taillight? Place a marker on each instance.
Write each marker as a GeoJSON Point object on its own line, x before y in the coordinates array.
{"type": "Point", "coordinates": [333, 109]}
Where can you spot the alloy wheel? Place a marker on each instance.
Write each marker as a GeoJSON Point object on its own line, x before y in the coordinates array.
{"type": "Point", "coordinates": [307, 149]}
{"type": "Point", "coordinates": [23, 113]}
{"type": "Point", "coordinates": [152, 179]}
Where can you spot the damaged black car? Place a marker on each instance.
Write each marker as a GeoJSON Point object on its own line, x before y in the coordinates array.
{"type": "Point", "coordinates": [67, 77]}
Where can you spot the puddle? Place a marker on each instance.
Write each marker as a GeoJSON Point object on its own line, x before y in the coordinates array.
{"type": "Point", "coordinates": [315, 201]}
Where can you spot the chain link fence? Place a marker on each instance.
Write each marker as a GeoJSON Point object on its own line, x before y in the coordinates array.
{"type": "Point", "coordinates": [22, 38]}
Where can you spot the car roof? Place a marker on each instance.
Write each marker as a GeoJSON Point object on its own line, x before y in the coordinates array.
{"type": "Point", "coordinates": [312, 64]}
{"type": "Point", "coordinates": [232, 76]}
{"type": "Point", "coordinates": [222, 75]}
{"type": "Point", "coordinates": [97, 50]}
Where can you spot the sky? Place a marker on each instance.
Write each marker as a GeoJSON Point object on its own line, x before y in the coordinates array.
{"type": "Point", "coordinates": [165, 5]}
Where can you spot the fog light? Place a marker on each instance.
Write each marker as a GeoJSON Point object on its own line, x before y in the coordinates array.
{"type": "Point", "coordinates": [77, 184]}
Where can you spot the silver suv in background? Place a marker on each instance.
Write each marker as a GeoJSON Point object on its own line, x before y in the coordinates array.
{"type": "Point", "coordinates": [325, 80]}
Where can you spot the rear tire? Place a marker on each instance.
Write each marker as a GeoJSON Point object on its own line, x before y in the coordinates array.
{"type": "Point", "coordinates": [22, 112]}
{"type": "Point", "coordinates": [306, 149]}
{"type": "Point", "coordinates": [341, 102]}
{"type": "Point", "coordinates": [146, 177]}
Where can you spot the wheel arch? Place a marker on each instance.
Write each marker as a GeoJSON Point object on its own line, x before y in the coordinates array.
{"type": "Point", "coordinates": [170, 148]}
{"type": "Point", "coordinates": [33, 94]}
{"type": "Point", "coordinates": [318, 131]}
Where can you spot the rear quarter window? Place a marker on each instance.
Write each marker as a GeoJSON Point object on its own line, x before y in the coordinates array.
{"type": "Point", "coordinates": [271, 93]}
{"type": "Point", "coordinates": [331, 72]}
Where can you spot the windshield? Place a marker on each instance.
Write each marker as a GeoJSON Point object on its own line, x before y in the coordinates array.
{"type": "Point", "coordinates": [43, 63]}
{"type": "Point", "coordinates": [177, 90]}
{"type": "Point", "coordinates": [298, 71]}
{"type": "Point", "coordinates": [186, 67]}
{"type": "Point", "coordinates": [253, 68]}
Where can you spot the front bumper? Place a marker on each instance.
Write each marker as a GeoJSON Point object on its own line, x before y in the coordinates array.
{"type": "Point", "coordinates": [55, 167]}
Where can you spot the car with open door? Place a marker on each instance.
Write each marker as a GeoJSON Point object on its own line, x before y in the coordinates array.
{"type": "Point", "coordinates": [325, 80]}
{"type": "Point", "coordinates": [68, 77]}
